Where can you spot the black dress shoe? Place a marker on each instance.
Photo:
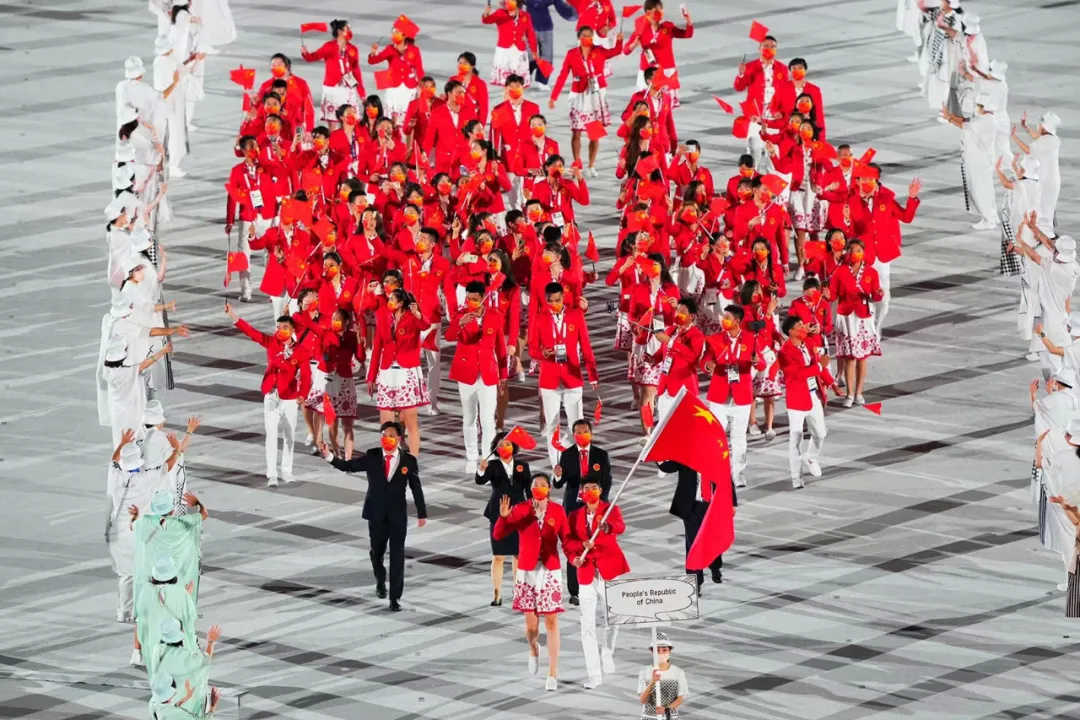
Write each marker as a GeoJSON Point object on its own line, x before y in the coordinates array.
{"type": "Point", "coordinates": [574, 600]}
{"type": "Point", "coordinates": [716, 576]}
{"type": "Point", "coordinates": [395, 606]}
{"type": "Point", "coordinates": [497, 602]}
{"type": "Point", "coordinates": [380, 591]}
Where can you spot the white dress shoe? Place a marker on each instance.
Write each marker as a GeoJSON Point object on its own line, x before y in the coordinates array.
{"type": "Point", "coordinates": [849, 401]}
{"type": "Point", "coordinates": [770, 435]}
{"type": "Point", "coordinates": [470, 467]}
{"type": "Point", "coordinates": [593, 682]}
{"type": "Point", "coordinates": [271, 482]}
{"type": "Point", "coordinates": [797, 483]}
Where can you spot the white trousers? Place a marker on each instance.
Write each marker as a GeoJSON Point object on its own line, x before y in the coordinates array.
{"type": "Point", "coordinates": [755, 147]}
{"type": "Point", "coordinates": [280, 419]}
{"type": "Point", "coordinates": [515, 198]}
{"type": "Point", "coordinates": [259, 226]}
{"type": "Point", "coordinates": [736, 420]}
{"type": "Point", "coordinates": [477, 401]}
{"type": "Point", "coordinates": [882, 308]}
{"type": "Point", "coordinates": [126, 587]}
{"type": "Point", "coordinates": [433, 360]}
{"type": "Point", "coordinates": [552, 400]}
{"type": "Point", "coordinates": [280, 305]}
{"type": "Point", "coordinates": [815, 419]}
{"type": "Point", "coordinates": [591, 597]}
{"type": "Point", "coordinates": [663, 404]}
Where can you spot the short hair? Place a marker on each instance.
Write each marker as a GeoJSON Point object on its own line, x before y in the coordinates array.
{"type": "Point", "coordinates": [769, 37]}
{"type": "Point", "coordinates": [540, 476]}
{"type": "Point", "coordinates": [321, 131]}
{"type": "Point", "coordinates": [798, 61]}
{"type": "Point", "coordinates": [552, 288]}
{"type": "Point", "coordinates": [245, 140]}
{"type": "Point", "coordinates": [451, 86]}
{"type": "Point", "coordinates": [845, 146]}
{"type": "Point", "coordinates": [736, 312]}
{"type": "Point", "coordinates": [467, 57]}
{"type": "Point", "coordinates": [789, 322]}
{"type": "Point", "coordinates": [283, 58]}
{"type": "Point", "coordinates": [539, 117]}
{"type": "Point", "coordinates": [746, 160]}
{"type": "Point", "coordinates": [514, 78]}
{"type": "Point", "coordinates": [811, 282]}
{"type": "Point", "coordinates": [332, 256]}
{"type": "Point", "coordinates": [285, 319]}
{"type": "Point", "coordinates": [474, 287]}
{"type": "Point", "coordinates": [650, 72]}
{"type": "Point", "coordinates": [392, 425]}
{"type": "Point", "coordinates": [689, 303]}
{"type": "Point", "coordinates": [581, 421]}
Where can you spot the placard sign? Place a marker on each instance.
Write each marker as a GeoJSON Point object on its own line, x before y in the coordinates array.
{"type": "Point", "coordinates": [651, 599]}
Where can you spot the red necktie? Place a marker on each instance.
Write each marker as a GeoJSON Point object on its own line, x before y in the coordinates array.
{"type": "Point", "coordinates": [389, 459]}
{"type": "Point", "coordinates": [584, 464]}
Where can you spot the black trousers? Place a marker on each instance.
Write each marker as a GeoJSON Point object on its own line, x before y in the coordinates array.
{"type": "Point", "coordinates": [692, 523]}
{"type": "Point", "coordinates": [384, 533]}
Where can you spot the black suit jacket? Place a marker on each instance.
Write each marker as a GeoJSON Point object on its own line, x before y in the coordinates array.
{"type": "Point", "coordinates": [685, 502]}
{"type": "Point", "coordinates": [386, 500]}
{"type": "Point", "coordinates": [516, 486]}
{"type": "Point", "coordinates": [599, 471]}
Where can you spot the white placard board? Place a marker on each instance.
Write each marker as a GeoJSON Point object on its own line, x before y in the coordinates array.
{"type": "Point", "coordinates": [651, 599]}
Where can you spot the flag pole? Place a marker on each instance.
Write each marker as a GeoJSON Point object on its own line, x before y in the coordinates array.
{"type": "Point", "coordinates": [656, 666]}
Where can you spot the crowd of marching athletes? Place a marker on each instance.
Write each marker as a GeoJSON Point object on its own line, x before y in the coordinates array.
{"type": "Point", "coordinates": [384, 226]}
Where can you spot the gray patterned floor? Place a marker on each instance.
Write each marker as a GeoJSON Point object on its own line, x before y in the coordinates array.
{"type": "Point", "coordinates": [905, 583]}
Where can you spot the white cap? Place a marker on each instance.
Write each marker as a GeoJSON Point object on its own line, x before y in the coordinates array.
{"type": "Point", "coordinates": [125, 152]}
{"type": "Point", "coordinates": [1050, 122]}
{"type": "Point", "coordinates": [131, 262]}
{"type": "Point", "coordinates": [663, 641]}
{"type": "Point", "coordinates": [123, 176]}
{"type": "Point", "coordinates": [1066, 248]}
{"type": "Point", "coordinates": [116, 350]}
{"type": "Point", "coordinates": [1066, 376]}
{"type": "Point", "coordinates": [998, 68]}
{"type": "Point", "coordinates": [970, 23]}
{"type": "Point", "coordinates": [133, 68]}
{"type": "Point", "coordinates": [114, 209]}
{"type": "Point", "coordinates": [121, 306]}
{"type": "Point", "coordinates": [162, 44]}
{"type": "Point", "coordinates": [130, 457]}
{"type": "Point", "coordinates": [954, 4]}
{"type": "Point", "coordinates": [140, 240]}
{"type": "Point", "coordinates": [154, 414]}
{"type": "Point", "coordinates": [127, 114]}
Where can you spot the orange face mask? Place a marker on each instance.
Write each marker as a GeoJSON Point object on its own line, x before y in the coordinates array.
{"type": "Point", "coordinates": [505, 451]}
{"type": "Point", "coordinates": [283, 334]}
{"type": "Point", "coordinates": [798, 74]}
{"type": "Point", "coordinates": [428, 92]}
{"type": "Point", "coordinates": [389, 444]}
{"type": "Point", "coordinates": [278, 71]}
{"type": "Point", "coordinates": [336, 325]}
{"type": "Point", "coordinates": [536, 215]}
{"type": "Point", "coordinates": [411, 219]}
{"type": "Point", "coordinates": [806, 133]}
{"type": "Point", "coordinates": [728, 323]}
{"type": "Point", "coordinates": [422, 247]}
{"type": "Point", "coordinates": [319, 143]}
{"type": "Point", "coordinates": [681, 318]}
{"type": "Point", "coordinates": [472, 305]}
{"type": "Point", "coordinates": [768, 53]}
{"type": "Point", "coordinates": [538, 130]}
{"type": "Point", "coordinates": [587, 41]}
{"type": "Point", "coordinates": [837, 244]}
{"type": "Point", "coordinates": [515, 93]}
{"type": "Point", "coordinates": [485, 247]}
{"type": "Point", "coordinates": [693, 155]}
{"type": "Point", "coordinates": [804, 106]}
{"type": "Point", "coordinates": [463, 68]}
{"type": "Point", "coordinates": [476, 154]}
{"type": "Point", "coordinates": [445, 188]}
{"type": "Point", "coordinates": [746, 171]}
{"type": "Point", "coordinates": [397, 38]}
{"type": "Point", "coordinates": [846, 162]}
{"type": "Point", "coordinates": [372, 112]}
{"type": "Point", "coordinates": [397, 177]}
{"type": "Point", "coordinates": [761, 254]}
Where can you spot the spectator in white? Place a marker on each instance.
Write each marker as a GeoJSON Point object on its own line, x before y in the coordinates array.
{"type": "Point", "coordinates": [670, 680]}
{"type": "Point", "coordinates": [1046, 149]}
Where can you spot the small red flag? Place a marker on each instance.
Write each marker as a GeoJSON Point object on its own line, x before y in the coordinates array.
{"type": "Point", "coordinates": [495, 283]}
{"type": "Point", "coordinates": [864, 171]}
{"type": "Point", "coordinates": [519, 437]}
{"type": "Point", "coordinates": [590, 249]}
{"type": "Point", "coordinates": [868, 156]}
{"type": "Point", "coordinates": [774, 184]}
{"type": "Point", "coordinates": [822, 151]}
{"type": "Point", "coordinates": [717, 531]}
{"type": "Point", "coordinates": [598, 411]}
{"type": "Point", "coordinates": [244, 77]}
{"type": "Point", "coordinates": [873, 407]}
{"type": "Point", "coordinates": [647, 416]}
{"type": "Point", "coordinates": [296, 264]}
{"type": "Point", "coordinates": [328, 410]}
{"type": "Point", "coordinates": [758, 32]}
{"type": "Point", "coordinates": [246, 106]}
{"type": "Point", "coordinates": [718, 206]}
{"type": "Point", "coordinates": [236, 262]}
{"type": "Point", "coordinates": [544, 67]}
{"type": "Point", "coordinates": [741, 127]}
{"type": "Point", "coordinates": [596, 130]}
{"type": "Point", "coordinates": [630, 10]}
{"type": "Point", "coordinates": [814, 250]}
{"type": "Point", "coordinates": [555, 440]}
{"type": "Point", "coordinates": [645, 166]}
{"type": "Point", "coordinates": [749, 108]}
{"type": "Point", "coordinates": [384, 80]}
{"type": "Point", "coordinates": [725, 106]}
{"type": "Point", "coordinates": [670, 79]}
{"type": "Point", "coordinates": [314, 27]}
{"type": "Point", "coordinates": [653, 192]}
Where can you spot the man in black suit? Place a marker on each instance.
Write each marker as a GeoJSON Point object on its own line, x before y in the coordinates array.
{"type": "Point", "coordinates": [579, 461]}
{"type": "Point", "coordinates": [389, 470]}
{"type": "Point", "coordinates": [687, 506]}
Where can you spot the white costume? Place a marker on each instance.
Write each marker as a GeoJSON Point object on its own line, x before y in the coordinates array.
{"type": "Point", "coordinates": [998, 90]}
{"type": "Point", "coordinates": [185, 39]}
{"type": "Point", "coordinates": [175, 132]}
{"type": "Point", "coordinates": [218, 27]}
{"type": "Point", "coordinates": [939, 60]}
{"type": "Point", "coordinates": [1046, 151]}
{"type": "Point", "coordinates": [1053, 412]}
{"type": "Point", "coordinates": [977, 154]}
{"type": "Point", "coordinates": [132, 92]}
{"type": "Point", "coordinates": [1057, 281]}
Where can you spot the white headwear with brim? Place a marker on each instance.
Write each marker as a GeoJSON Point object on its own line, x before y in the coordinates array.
{"type": "Point", "coordinates": [997, 69]}
{"type": "Point", "coordinates": [1066, 248]}
{"type": "Point", "coordinates": [164, 569]}
{"type": "Point", "coordinates": [127, 114]}
{"type": "Point", "coordinates": [116, 350]}
{"type": "Point", "coordinates": [121, 306]}
{"type": "Point", "coordinates": [125, 152]}
{"type": "Point", "coordinates": [156, 450]}
{"type": "Point", "coordinates": [663, 641]}
{"type": "Point", "coordinates": [163, 502]}
{"type": "Point", "coordinates": [162, 44]}
{"type": "Point", "coordinates": [132, 261]}
{"type": "Point", "coordinates": [123, 176]}
{"type": "Point", "coordinates": [1050, 122]}
{"type": "Point", "coordinates": [1066, 376]}
{"type": "Point", "coordinates": [171, 631]}
{"type": "Point", "coordinates": [140, 240]}
{"type": "Point", "coordinates": [128, 199]}
{"type": "Point", "coordinates": [130, 457]}
{"type": "Point", "coordinates": [114, 209]}
{"type": "Point", "coordinates": [133, 68]}
{"type": "Point", "coordinates": [954, 4]}
{"type": "Point", "coordinates": [971, 24]}
{"type": "Point", "coordinates": [161, 687]}
{"type": "Point", "coordinates": [154, 414]}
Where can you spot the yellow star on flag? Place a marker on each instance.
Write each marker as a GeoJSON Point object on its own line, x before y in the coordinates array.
{"type": "Point", "coordinates": [702, 412]}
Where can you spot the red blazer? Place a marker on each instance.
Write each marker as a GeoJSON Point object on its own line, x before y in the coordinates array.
{"type": "Point", "coordinates": [656, 44]}
{"type": "Point", "coordinates": [476, 90]}
{"type": "Point", "coordinates": [682, 352]}
{"type": "Point", "coordinates": [819, 312]}
{"type": "Point", "coordinates": [721, 275]}
{"type": "Point", "coordinates": [682, 175]}
{"type": "Point", "coordinates": [852, 297]}
{"type": "Point", "coordinates": [506, 134]}
{"type": "Point", "coordinates": [298, 101]}
{"type": "Point", "coordinates": [793, 161]}
{"type": "Point", "coordinates": [444, 137]}
{"type": "Point", "coordinates": [732, 192]}
{"type": "Point", "coordinates": [628, 276]}
{"type": "Point", "coordinates": [530, 159]}
{"type": "Point", "coordinates": [535, 545]}
{"type": "Point", "coordinates": [515, 31]}
{"type": "Point", "coordinates": [784, 102]}
{"type": "Point", "coordinates": [750, 269]}
{"type": "Point", "coordinates": [276, 279]}
{"type": "Point", "coordinates": [574, 334]}
{"type": "Point", "coordinates": [660, 114]}
{"type": "Point", "coordinates": [562, 198]}
{"type": "Point", "coordinates": [771, 228]}
{"type": "Point", "coordinates": [399, 344]}
{"type": "Point", "coordinates": [329, 300]}
{"type": "Point", "coordinates": [340, 351]}
{"type": "Point", "coordinates": [606, 557]}
{"type": "Point", "coordinates": [640, 302]}
{"type": "Point", "coordinates": [877, 223]}
{"type": "Point", "coordinates": [481, 348]}
{"type": "Point", "coordinates": [595, 14]}
{"type": "Point", "coordinates": [338, 64]}
{"type": "Point", "coordinates": [508, 304]}
{"type": "Point", "coordinates": [289, 376]}
{"type": "Point", "coordinates": [738, 355]}
{"type": "Point", "coordinates": [406, 67]}
{"type": "Point", "coordinates": [753, 81]}
{"type": "Point", "coordinates": [348, 155]}
{"type": "Point", "coordinates": [798, 372]}
{"type": "Point", "coordinates": [583, 69]}
{"type": "Point", "coordinates": [239, 187]}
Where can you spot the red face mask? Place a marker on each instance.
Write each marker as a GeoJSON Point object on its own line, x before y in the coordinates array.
{"type": "Point", "coordinates": [855, 256]}
{"type": "Point", "coordinates": [505, 452]}
{"type": "Point", "coordinates": [319, 142]}
{"type": "Point", "coordinates": [582, 439]}
{"type": "Point", "coordinates": [332, 270]}
{"type": "Point", "coordinates": [349, 119]}
{"type": "Point", "coordinates": [397, 38]}
{"type": "Point", "coordinates": [837, 244]}
{"type": "Point", "coordinates": [755, 298]}
{"type": "Point", "coordinates": [768, 53]}
{"type": "Point", "coordinates": [798, 333]}
{"type": "Point", "coordinates": [806, 133]}
{"type": "Point", "coordinates": [336, 325]}
{"type": "Point", "coordinates": [867, 186]}
{"type": "Point", "coordinates": [536, 216]}
{"type": "Point", "coordinates": [846, 162]}
{"type": "Point", "coordinates": [681, 318]}
{"type": "Point", "coordinates": [463, 68]}
{"type": "Point", "coordinates": [813, 294]}
{"type": "Point", "coordinates": [372, 112]}
{"type": "Point", "coordinates": [485, 247]}
{"type": "Point", "coordinates": [728, 324]}
{"type": "Point", "coordinates": [411, 219]}
{"type": "Point", "coordinates": [590, 496]}
{"type": "Point", "coordinates": [761, 254]}
{"type": "Point", "coordinates": [804, 106]}
{"type": "Point", "coordinates": [515, 93]}
{"type": "Point", "coordinates": [445, 188]}
{"type": "Point", "coordinates": [798, 74]}
{"type": "Point", "coordinates": [252, 152]}
{"type": "Point", "coordinates": [540, 492]}
{"type": "Point", "coordinates": [428, 92]}
{"type": "Point", "coordinates": [746, 171]}
{"type": "Point", "coordinates": [389, 444]}
{"type": "Point", "coordinates": [278, 71]}
{"type": "Point", "coordinates": [538, 130]}
{"type": "Point", "coordinates": [348, 34]}
{"type": "Point", "coordinates": [273, 129]}
{"type": "Point", "coordinates": [745, 192]}
{"type": "Point", "coordinates": [587, 41]}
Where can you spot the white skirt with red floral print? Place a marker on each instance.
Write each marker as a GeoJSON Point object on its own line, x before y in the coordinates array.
{"type": "Point", "coordinates": [398, 388]}
{"type": "Point", "coordinates": [538, 591]}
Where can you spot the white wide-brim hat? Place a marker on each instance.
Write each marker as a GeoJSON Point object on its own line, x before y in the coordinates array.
{"type": "Point", "coordinates": [162, 504]}
{"type": "Point", "coordinates": [1066, 376]}
{"type": "Point", "coordinates": [116, 350]}
{"type": "Point", "coordinates": [1050, 122]}
{"type": "Point", "coordinates": [998, 68]}
{"type": "Point", "coordinates": [1066, 248]}
{"type": "Point", "coordinates": [133, 68]}
{"type": "Point", "coordinates": [162, 44]}
{"type": "Point", "coordinates": [121, 306]}
{"type": "Point", "coordinates": [130, 457]}
{"type": "Point", "coordinates": [114, 209]}
{"type": "Point", "coordinates": [123, 176]}
{"type": "Point", "coordinates": [140, 240]}
{"type": "Point", "coordinates": [164, 569]}
{"type": "Point", "coordinates": [131, 262]}
{"type": "Point", "coordinates": [154, 414]}
{"type": "Point", "coordinates": [125, 152]}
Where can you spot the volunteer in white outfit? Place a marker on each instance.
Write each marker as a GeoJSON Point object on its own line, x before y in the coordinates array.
{"type": "Point", "coordinates": [139, 139]}
{"type": "Point", "coordinates": [909, 19]}
{"type": "Point", "coordinates": [1056, 459]}
{"type": "Point", "coordinates": [218, 27]}
{"type": "Point", "coordinates": [166, 64]}
{"type": "Point", "coordinates": [1057, 281]}
{"type": "Point", "coordinates": [941, 55]}
{"type": "Point", "coordinates": [671, 680]}
{"type": "Point", "coordinates": [977, 155]}
{"type": "Point", "coordinates": [143, 284]}
{"type": "Point", "coordinates": [1053, 413]}
{"type": "Point", "coordinates": [1070, 351]}
{"type": "Point", "coordinates": [1046, 149]}
{"type": "Point", "coordinates": [185, 36]}
{"type": "Point", "coordinates": [132, 92]}
{"type": "Point", "coordinates": [992, 81]}
{"type": "Point", "coordinates": [162, 12]}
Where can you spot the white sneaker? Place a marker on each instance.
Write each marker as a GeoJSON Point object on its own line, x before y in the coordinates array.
{"type": "Point", "coordinates": [913, 58]}
{"type": "Point", "coordinates": [800, 273]}
{"type": "Point", "coordinates": [271, 482]}
{"type": "Point", "coordinates": [984, 225]}
{"type": "Point", "coordinates": [1062, 587]}
{"type": "Point", "coordinates": [551, 684]}
{"type": "Point", "coordinates": [754, 431]}
{"type": "Point", "coordinates": [432, 410]}
{"type": "Point", "coordinates": [288, 479]}
{"type": "Point", "coordinates": [592, 174]}
{"type": "Point", "coordinates": [607, 661]}
{"type": "Point", "coordinates": [797, 483]}
{"type": "Point", "coordinates": [534, 664]}
{"type": "Point", "coordinates": [770, 435]}
{"type": "Point", "coordinates": [860, 400]}
{"type": "Point", "coordinates": [176, 173]}
{"type": "Point", "coordinates": [122, 617]}
{"type": "Point", "coordinates": [521, 376]}
{"type": "Point", "coordinates": [309, 440]}
{"type": "Point", "coordinates": [1032, 357]}
{"type": "Point", "coordinates": [812, 467]}
{"type": "Point", "coordinates": [592, 682]}
{"type": "Point", "coordinates": [314, 451]}
{"type": "Point", "coordinates": [470, 467]}
{"type": "Point", "coordinates": [849, 401]}
{"type": "Point", "coordinates": [136, 658]}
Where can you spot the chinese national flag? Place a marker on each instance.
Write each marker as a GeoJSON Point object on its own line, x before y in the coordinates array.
{"type": "Point", "coordinates": [519, 437]}
{"type": "Point", "coordinates": [544, 67]}
{"type": "Point", "coordinates": [406, 27]}
{"type": "Point", "coordinates": [758, 32]}
{"type": "Point", "coordinates": [724, 105]}
{"type": "Point", "coordinates": [645, 166]}
{"type": "Point", "coordinates": [718, 206]}
{"type": "Point", "coordinates": [630, 10]}
{"type": "Point", "coordinates": [868, 156]}
{"type": "Point", "coordinates": [598, 412]}
{"type": "Point", "coordinates": [384, 79]}
{"type": "Point", "coordinates": [236, 262]}
{"type": "Point", "coordinates": [296, 264]}
{"type": "Point", "coordinates": [692, 436]}
{"type": "Point", "coordinates": [815, 250]}
{"type": "Point", "coordinates": [246, 104]}
{"type": "Point", "coordinates": [314, 27]}
{"type": "Point", "coordinates": [328, 410]}
{"type": "Point", "coordinates": [873, 407]}
{"type": "Point", "coordinates": [590, 249]}
{"type": "Point", "coordinates": [244, 77]}
{"type": "Point", "coordinates": [749, 108]}
{"type": "Point", "coordinates": [595, 130]}
{"type": "Point", "coordinates": [555, 442]}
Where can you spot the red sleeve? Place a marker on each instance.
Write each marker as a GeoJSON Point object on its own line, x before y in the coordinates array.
{"type": "Point", "coordinates": [245, 327]}
{"type": "Point", "coordinates": [564, 72]}
{"type": "Point", "coordinates": [615, 521]}
{"type": "Point", "coordinates": [514, 329]}
{"type": "Point", "coordinates": [586, 351]}
{"type": "Point", "coordinates": [744, 81]}
{"type": "Point", "coordinates": [319, 54]}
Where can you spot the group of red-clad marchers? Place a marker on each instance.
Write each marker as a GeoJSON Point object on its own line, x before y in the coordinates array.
{"type": "Point", "coordinates": [393, 224]}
